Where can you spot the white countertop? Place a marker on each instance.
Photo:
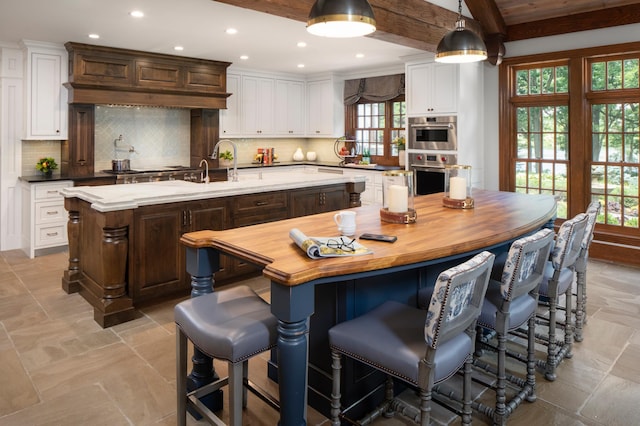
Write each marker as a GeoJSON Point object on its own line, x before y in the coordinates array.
{"type": "Point", "coordinates": [130, 196]}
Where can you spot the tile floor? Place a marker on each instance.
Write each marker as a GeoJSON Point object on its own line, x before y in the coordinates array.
{"type": "Point", "coordinates": [58, 367]}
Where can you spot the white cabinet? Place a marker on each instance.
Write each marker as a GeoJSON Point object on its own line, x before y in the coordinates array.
{"type": "Point", "coordinates": [230, 117]}
{"type": "Point", "coordinates": [373, 185]}
{"type": "Point", "coordinates": [44, 222]}
{"type": "Point", "coordinates": [257, 105]}
{"type": "Point", "coordinates": [263, 106]}
{"type": "Point", "coordinates": [325, 108]}
{"type": "Point", "coordinates": [46, 97]}
{"type": "Point", "coordinates": [432, 88]}
{"type": "Point", "coordinates": [289, 112]}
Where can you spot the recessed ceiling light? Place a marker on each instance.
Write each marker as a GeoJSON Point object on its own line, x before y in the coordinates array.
{"type": "Point", "coordinates": [179, 48]}
{"type": "Point", "coordinates": [359, 55]}
{"type": "Point", "coordinates": [244, 57]}
{"type": "Point", "coordinates": [300, 65]}
{"type": "Point", "coordinates": [302, 44]}
{"type": "Point", "coordinates": [231, 31]}
{"type": "Point", "coordinates": [94, 36]}
{"type": "Point", "coordinates": [137, 13]}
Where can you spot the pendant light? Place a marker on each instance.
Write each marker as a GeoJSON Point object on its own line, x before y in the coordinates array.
{"type": "Point", "coordinates": [341, 18]}
{"type": "Point", "coordinates": [461, 45]}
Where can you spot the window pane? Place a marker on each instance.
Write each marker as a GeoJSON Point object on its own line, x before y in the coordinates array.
{"type": "Point", "coordinates": [598, 114]}
{"type": "Point", "coordinates": [614, 148]}
{"type": "Point", "coordinates": [614, 117]}
{"type": "Point", "coordinates": [614, 75]}
{"type": "Point", "coordinates": [631, 147]}
{"type": "Point", "coordinates": [562, 146]}
{"type": "Point", "coordinates": [534, 177]}
{"type": "Point", "coordinates": [548, 142]}
{"type": "Point", "coordinates": [562, 79]}
{"type": "Point", "coordinates": [522, 82]}
{"type": "Point", "coordinates": [631, 117]}
{"type": "Point", "coordinates": [631, 72]}
{"type": "Point", "coordinates": [535, 146]}
{"type": "Point", "coordinates": [598, 76]}
{"type": "Point", "coordinates": [548, 82]}
{"type": "Point", "coordinates": [561, 176]}
{"type": "Point", "coordinates": [534, 82]}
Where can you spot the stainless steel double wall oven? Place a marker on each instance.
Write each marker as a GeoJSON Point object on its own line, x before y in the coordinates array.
{"type": "Point", "coordinates": [432, 144]}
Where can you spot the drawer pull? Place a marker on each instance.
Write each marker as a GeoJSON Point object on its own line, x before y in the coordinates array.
{"type": "Point", "coordinates": [52, 212]}
{"type": "Point", "coordinates": [261, 203]}
{"type": "Point", "coordinates": [52, 191]}
{"type": "Point", "coordinates": [52, 234]}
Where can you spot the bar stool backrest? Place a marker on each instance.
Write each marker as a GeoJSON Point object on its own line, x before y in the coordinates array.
{"type": "Point", "coordinates": [592, 212]}
{"type": "Point", "coordinates": [569, 242]}
{"type": "Point", "coordinates": [457, 299]}
{"type": "Point", "coordinates": [525, 263]}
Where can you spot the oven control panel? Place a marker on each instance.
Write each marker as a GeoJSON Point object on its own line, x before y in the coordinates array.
{"type": "Point", "coordinates": [419, 159]}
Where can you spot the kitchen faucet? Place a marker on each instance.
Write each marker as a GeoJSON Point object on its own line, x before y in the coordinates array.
{"type": "Point", "coordinates": [117, 148]}
{"type": "Point", "coordinates": [214, 156]}
{"type": "Point", "coordinates": [205, 179]}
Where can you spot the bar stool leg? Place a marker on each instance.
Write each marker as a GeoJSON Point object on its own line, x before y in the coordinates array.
{"type": "Point", "coordinates": [531, 358]}
{"type": "Point", "coordinates": [181, 377]}
{"type": "Point", "coordinates": [236, 391]}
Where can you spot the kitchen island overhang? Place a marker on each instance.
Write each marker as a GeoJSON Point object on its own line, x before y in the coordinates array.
{"type": "Point", "coordinates": [124, 246]}
{"type": "Point", "coordinates": [309, 296]}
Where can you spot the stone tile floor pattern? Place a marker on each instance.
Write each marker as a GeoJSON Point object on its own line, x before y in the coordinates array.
{"type": "Point", "coordinates": [58, 367]}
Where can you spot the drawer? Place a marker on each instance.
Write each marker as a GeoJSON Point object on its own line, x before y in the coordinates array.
{"type": "Point", "coordinates": [50, 235]}
{"type": "Point", "coordinates": [259, 208]}
{"type": "Point", "coordinates": [253, 203]}
{"type": "Point", "coordinates": [50, 212]}
{"type": "Point", "coordinates": [50, 190]}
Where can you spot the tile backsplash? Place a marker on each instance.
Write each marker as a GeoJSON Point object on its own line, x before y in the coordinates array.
{"type": "Point", "coordinates": [159, 136]}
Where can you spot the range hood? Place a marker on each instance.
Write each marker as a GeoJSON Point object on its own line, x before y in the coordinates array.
{"type": "Point", "coordinates": [105, 75]}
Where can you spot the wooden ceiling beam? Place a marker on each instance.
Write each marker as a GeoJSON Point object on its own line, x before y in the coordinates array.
{"type": "Point", "coordinates": [411, 23]}
{"type": "Point", "coordinates": [493, 27]}
{"type": "Point", "coordinates": [610, 17]}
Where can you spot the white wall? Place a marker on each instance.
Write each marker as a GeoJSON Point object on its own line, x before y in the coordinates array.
{"type": "Point", "coordinates": [583, 39]}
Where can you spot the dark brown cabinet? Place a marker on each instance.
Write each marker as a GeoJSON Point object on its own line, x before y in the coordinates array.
{"type": "Point", "coordinates": [318, 200]}
{"type": "Point", "coordinates": [159, 259]}
{"type": "Point", "coordinates": [78, 150]}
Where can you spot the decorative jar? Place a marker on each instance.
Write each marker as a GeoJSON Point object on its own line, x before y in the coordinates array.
{"type": "Point", "coordinates": [457, 187]}
{"type": "Point", "coordinates": [397, 197]}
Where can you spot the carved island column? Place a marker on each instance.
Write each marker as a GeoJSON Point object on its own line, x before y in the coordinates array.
{"type": "Point", "coordinates": [71, 276]}
{"type": "Point", "coordinates": [98, 260]}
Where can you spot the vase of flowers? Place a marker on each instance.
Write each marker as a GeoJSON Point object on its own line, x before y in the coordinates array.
{"type": "Point", "coordinates": [401, 143]}
{"type": "Point", "coordinates": [46, 165]}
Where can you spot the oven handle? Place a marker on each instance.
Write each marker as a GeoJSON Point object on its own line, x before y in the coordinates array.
{"type": "Point", "coordinates": [433, 126]}
{"type": "Point", "coordinates": [427, 168]}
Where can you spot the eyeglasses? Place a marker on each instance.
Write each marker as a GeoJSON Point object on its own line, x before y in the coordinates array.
{"type": "Point", "coordinates": [341, 244]}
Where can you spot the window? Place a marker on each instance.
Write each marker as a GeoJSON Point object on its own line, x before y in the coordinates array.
{"type": "Point", "coordinates": [615, 139]}
{"type": "Point", "coordinates": [570, 126]}
{"type": "Point", "coordinates": [375, 125]}
{"type": "Point", "coordinates": [542, 131]}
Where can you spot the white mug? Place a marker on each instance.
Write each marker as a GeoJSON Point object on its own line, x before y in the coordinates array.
{"type": "Point", "coordinates": [346, 221]}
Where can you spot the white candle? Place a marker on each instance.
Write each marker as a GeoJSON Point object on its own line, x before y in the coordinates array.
{"type": "Point", "coordinates": [458, 188]}
{"type": "Point", "coordinates": [398, 198]}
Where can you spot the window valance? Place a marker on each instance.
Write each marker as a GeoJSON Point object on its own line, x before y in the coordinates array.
{"type": "Point", "coordinates": [375, 89]}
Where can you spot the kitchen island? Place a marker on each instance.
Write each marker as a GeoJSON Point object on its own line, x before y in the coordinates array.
{"type": "Point", "coordinates": [309, 296]}
{"type": "Point", "coordinates": [124, 239]}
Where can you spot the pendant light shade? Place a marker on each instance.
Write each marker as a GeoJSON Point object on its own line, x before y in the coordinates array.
{"type": "Point", "coordinates": [461, 45]}
{"type": "Point", "coordinates": [341, 18]}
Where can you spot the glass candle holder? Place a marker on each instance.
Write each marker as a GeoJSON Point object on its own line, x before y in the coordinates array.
{"type": "Point", "coordinates": [397, 197]}
{"type": "Point", "coordinates": [457, 187]}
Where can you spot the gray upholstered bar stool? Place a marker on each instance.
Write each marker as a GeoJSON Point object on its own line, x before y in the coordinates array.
{"type": "Point", "coordinates": [420, 347]}
{"type": "Point", "coordinates": [508, 305]}
{"type": "Point", "coordinates": [581, 269]}
{"type": "Point", "coordinates": [558, 279]}
{"type": "Point", "coordinates": [232, 325]}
